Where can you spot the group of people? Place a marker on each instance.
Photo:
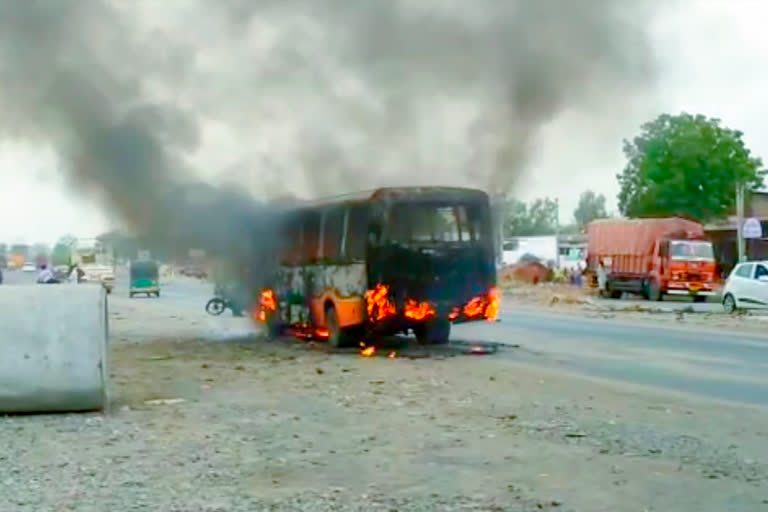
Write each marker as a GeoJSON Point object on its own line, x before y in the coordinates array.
{"type": "Point", "coordinates": [47, 275]}
{"type": "Point", "coordinates": [573, 275]}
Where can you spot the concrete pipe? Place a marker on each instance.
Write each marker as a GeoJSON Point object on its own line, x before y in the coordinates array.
{"type": "Point", "coordinates": [53, 348]}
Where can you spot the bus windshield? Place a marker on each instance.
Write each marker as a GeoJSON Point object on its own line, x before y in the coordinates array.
{"type": "Point", "coordinates": [430, 223]}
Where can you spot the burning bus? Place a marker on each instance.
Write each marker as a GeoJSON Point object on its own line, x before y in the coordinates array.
{"type": "Point", "coordinates": [384, 262]}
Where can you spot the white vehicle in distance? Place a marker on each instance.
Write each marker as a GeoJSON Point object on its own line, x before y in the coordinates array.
{"type": "Point", "coordinates": [747, 287]}
{"type": "Point", "coordinates": [29, 267]}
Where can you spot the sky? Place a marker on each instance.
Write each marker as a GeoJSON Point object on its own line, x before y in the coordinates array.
{"type": "Point", "coordinates": [711, 57]}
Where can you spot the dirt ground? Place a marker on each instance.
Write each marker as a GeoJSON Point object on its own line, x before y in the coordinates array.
{"type": "Point", "coordinates": [566, 299]}
{"type": "Point", "coordinates": [213, 418]}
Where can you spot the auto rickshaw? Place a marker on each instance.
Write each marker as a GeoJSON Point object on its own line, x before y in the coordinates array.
{"type": "Point", "coordinates": [144, 278]}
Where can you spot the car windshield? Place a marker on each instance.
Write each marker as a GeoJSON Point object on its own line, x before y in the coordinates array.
{"type": "Point", "coordinates": [680, 250]}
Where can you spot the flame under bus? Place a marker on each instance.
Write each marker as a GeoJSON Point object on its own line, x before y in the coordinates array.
{"type": "Point", "coordinates": [383, 262]}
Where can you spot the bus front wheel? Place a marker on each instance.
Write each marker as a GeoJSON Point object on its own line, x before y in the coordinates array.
{"type": "Point", "coordinates": [338, 337]}
{"type": "Point", "coordinates": [437, 332]}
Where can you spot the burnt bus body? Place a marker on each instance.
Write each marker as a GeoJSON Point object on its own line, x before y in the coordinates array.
{"type": "Point", "coordinates": [432, 246]}
{"type": "Point", "coordinates": [383, 262]}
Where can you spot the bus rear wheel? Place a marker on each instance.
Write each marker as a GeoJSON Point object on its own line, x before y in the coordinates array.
{"type": "Point", "coordinates": [436, 332]}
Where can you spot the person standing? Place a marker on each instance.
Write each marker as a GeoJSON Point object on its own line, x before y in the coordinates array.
{"type": "Point", "coordinates": [602, 276]}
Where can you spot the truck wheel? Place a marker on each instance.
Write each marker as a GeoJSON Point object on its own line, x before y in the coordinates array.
{"type": "Point", "coordinates": [614, 294]}
{"type": "Point", "coordinates": [437, 332]}
{"type": "Point", "coordinates": [654, 291]}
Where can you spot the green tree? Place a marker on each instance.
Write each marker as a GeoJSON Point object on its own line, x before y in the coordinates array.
{"type": "Point", "coordinates": [537, 218]}
{"type": "Point", "coordinates": [591, 206]}
{"type": "Point", "coordinates": [61, 255]}
{"type": "Point", "coordinates": [687, 166]}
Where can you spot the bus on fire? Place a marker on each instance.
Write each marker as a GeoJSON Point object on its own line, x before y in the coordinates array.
{"type": "Point", "coordinates": [382, 263]}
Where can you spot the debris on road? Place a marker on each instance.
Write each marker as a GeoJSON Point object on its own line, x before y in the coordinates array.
{"type": "Point", "coordinates": [165, 401]}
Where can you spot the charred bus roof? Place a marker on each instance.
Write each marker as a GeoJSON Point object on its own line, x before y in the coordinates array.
{"type": "Point", "coordinates": [449, 194]}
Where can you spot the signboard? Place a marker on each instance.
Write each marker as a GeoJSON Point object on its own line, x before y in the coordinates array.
{"type": "Point", "coordinates": [752, 228]}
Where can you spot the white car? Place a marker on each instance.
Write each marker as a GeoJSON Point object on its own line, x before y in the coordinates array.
{"type": "Point", "coordinates": [29, 267]}
{"type": "Point", "coordinates": [747, 287]}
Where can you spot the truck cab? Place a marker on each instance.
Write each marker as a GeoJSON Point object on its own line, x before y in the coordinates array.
{"type": "Point", "coordinates": [683, 266]}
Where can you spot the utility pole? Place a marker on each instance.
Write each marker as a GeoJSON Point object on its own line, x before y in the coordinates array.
{"type": "Point", "coordinates": [557, 232]}
{"type": "Point", "coordinates": [740, 221]}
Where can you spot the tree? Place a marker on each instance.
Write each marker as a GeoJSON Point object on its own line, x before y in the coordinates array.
{"type": "Point", "coordinates": [62, 251]}
{"type": "Point", "coordinates": [687, 166]}
{"type": "Point", "coordinates": [538, 218]}
{"type": "Point", "coordinates": [590, 207]}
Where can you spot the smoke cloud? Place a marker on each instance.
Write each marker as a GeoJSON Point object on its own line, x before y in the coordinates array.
{"type": "Point", "coordinates": [144, 101]}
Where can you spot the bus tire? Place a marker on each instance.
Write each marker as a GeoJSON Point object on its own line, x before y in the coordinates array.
{"type": "Point", "coordinates": [437, 332]}
{"type": "Point", "coordinates": [337, 336]}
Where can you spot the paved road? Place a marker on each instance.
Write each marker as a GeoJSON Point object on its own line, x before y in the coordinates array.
{"type": "Point", "coordinates": [182, 292]}
{"type": "Point", "coordinates": [709, 363]}
{"type": "Point", "coordinates": [717, 364]}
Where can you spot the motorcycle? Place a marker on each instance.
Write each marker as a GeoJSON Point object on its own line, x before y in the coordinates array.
{"type": "Point", "coordinates": [220, 303]}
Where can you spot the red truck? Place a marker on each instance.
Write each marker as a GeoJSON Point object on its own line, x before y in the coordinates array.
{"type": "Point", "coordinates": [652, 257]}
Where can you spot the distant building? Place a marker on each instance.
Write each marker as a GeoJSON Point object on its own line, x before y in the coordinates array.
{"type": "Point", "coordinates": [724, 235]}
{"type": "Point", "coordinates": [564, 251]}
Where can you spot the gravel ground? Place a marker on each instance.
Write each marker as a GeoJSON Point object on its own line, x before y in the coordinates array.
{"type": "Point", "coordinates": [209, 417]}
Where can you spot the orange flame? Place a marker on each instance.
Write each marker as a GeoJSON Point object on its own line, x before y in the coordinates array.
{"type": "Point", "coordinates": [492, 309]}
{"type": "Point", "coordinates": [268, 300]}
{"type": "Point", "coordinates": [418, 310]}
{"type": "Point", "coordinates": [267, 304]}
{"type": "Point", "coordinates": [454, 314]}
{"type": "Point", "coordinates": [322, 333]}
{"type": "Point", "coordinates": [368, 351]}
{"type": "Point", "coordinates": [377, 303]}
{"type": "Point", "coordinates": [475, 307]}
{"type": "Point", "coordinates": [392, 355]}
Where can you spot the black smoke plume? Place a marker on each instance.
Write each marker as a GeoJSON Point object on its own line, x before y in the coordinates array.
{"type": "Point", "coordinates": [337, 94]}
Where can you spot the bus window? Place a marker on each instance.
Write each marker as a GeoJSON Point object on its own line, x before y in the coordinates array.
{"type": "Point", "coordinates": [357, 233]}
{"type": "Point", "coordinates": [311, 225]}
{"type": "Point", "coordinates": [291, 242]}
{"type": "Point", "coordinates": [332, 231]}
